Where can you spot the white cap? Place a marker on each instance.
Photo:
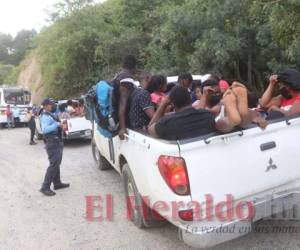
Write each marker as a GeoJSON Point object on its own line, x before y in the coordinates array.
{"type": "Point", "coordinates": [130, 80]}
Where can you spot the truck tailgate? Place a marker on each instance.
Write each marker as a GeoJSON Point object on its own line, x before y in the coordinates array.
{"type": "Point", "coordinates": [243, 165]}
{"type": "Point", "coordinates": [76, 124]}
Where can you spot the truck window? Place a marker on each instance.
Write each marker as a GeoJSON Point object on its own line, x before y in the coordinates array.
{"type": "Point", "coordinates": [17, 96]}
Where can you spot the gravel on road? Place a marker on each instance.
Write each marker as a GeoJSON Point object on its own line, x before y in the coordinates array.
{"type": "Point", "coordinates": [32, 221]}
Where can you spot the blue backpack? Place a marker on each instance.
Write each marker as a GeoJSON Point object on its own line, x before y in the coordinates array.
{"type": "Point", "coordinates": [100, 108]}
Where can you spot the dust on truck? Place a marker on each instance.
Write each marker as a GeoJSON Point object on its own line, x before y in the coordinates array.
{"type": "Point", "coordinates": [15, 97]}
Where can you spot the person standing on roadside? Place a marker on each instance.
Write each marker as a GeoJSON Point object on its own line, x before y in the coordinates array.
{"type": "Point", "coordinates": [31, 125]}
{"type": "Point", "coordinates": [52, 131]}
{"type": "Point", "coordinates": [16, 115]}
{"type": "Point", "coordinates": [9, 116]}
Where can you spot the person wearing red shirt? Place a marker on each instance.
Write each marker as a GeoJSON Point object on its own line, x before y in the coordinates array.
{"type": "Point", "coordinates": [9, 115]}
{"type": "Point", "coordinates": [288, 102]}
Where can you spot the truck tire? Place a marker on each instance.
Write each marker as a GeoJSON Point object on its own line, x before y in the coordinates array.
{"type": "Point", "coordinates": [38, 135]}
{"type": "Point", "coordinates": [100, 161]}
{"type": "Point", "coordinates": [136, 212]}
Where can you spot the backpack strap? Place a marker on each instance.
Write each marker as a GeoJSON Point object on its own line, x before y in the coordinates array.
{"type": "Point", "coordinates": [110, 108]}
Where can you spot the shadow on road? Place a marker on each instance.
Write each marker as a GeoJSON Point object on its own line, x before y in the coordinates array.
{"type": "Point", "coordinates": [76, 143]}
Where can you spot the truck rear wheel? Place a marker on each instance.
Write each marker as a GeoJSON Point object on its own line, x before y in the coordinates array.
{"type": "Point", "coordinates": [100, 161]}
{"type": "Point", "coordinates": [139, 213]}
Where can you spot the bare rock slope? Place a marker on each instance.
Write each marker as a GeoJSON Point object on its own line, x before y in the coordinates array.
{"type": "Point", "coordinates": [30, 77]}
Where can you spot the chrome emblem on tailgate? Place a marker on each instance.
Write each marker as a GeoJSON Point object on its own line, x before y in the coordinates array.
{"type": "Point", "coordinates": [271, 166]}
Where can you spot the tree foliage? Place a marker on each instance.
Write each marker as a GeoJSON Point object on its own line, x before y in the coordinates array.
{"type": "Point", "coordinates": [65, 8]}
{"type": "Point", "coordinates": [6, 41]}
{"type": "Point", "coordinates": [5, 71]}
{"type": "Point", "coordinates": [13, 50]}
{"type": "Point", "coordinates": [245, 40]}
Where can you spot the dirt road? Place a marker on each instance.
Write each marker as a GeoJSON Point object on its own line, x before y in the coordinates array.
{"type": "Point", "coordinates": [32, 221]}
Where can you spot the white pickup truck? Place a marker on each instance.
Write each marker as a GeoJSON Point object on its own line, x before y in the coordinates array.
{"type": "Point", "coordinates": [78, 127]}
{"type": "Point", "coordinates": [256, 172]}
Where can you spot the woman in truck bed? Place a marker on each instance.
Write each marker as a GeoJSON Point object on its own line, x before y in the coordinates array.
{"type": "Point", "coordinates": [157, 87]}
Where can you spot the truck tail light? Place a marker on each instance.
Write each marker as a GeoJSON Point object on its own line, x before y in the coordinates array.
{"type": "Point", "coordinates": [186, 215]}
{"type": "Point", "coordinates": [173, 170]}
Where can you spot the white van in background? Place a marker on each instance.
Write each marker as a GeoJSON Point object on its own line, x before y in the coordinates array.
{"type": "Point", "coordinates": [16, 97]}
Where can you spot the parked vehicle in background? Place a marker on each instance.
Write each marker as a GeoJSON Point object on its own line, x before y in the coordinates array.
{"type": "Point", "coordinates": [174, 79]}
{"type": "Point", "coordinates": [78, 127]}
{"type": "Point", "coordinates": [18, 99]}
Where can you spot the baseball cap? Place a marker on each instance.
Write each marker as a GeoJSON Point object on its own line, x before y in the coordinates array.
{"type": "Point", "coordinates": [47, 101]}
{"type": "Point", "coordinates": [290, 77]}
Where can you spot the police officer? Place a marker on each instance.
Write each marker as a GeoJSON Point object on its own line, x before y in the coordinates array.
{"type": "Point", "coordinates": [52, 131]}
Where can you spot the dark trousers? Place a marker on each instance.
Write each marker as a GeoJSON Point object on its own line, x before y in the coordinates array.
{"type": "Point", "coordinates": [54, 148]}
{"type": "Point", "coordinates": [32, 131]}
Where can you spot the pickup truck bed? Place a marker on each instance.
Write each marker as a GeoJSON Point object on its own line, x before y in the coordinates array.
{"type": "Point", "coordinates": [257, 169]}
{"type": "Point", "coordinates": [78, 128]}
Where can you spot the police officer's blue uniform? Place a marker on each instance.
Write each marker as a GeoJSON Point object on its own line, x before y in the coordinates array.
{"type": "Point", "coordinates": [50, 125]}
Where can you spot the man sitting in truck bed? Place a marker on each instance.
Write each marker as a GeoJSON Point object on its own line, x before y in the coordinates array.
{"type": "Point", "coordinates": [188, 122]}
{"type": "Point", "coordinates": [288, 102]}
{"type": "Point", "coordinates": [141, 109]}
{"type": "Point", "coordinates": [185, 123]}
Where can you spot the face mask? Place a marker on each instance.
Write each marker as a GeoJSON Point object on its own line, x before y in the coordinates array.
{"type": "Point", "coordinates": [214, 99]}
{"type": "Point", "coordinates": [285, 93]}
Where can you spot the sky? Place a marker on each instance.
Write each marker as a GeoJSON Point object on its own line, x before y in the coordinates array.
{"type": "Point", "coordinates": [16, 15]}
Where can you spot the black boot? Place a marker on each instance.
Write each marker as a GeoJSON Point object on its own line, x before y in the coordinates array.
{"type": "Point", "coordinates": [61, 185]}
{"type": "Point", "coordinates": [47, 192]}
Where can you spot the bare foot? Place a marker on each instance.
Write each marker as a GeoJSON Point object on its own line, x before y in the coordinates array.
{"type": "Point", "coordinates": [242, 99]}
{"type": "Point", "coordinates": [260, 121]}
{"type": "Point", "coordinates": [231, 108]}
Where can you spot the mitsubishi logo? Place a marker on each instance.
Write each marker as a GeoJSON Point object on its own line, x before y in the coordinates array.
{"type": "Point", "coordinates": [271, 166]}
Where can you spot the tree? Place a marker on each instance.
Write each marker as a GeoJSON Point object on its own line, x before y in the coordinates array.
{"type": "Point", "coordinates": [66, 7]}
{"type": "Point", "coordinates": [5, 73]}
{"type": "Point", "coordinates": [284, 21]}
{"type": "Point", "coordinates": [233, 39]}
{"type": "Point", "coordinates": [5, 47]}
{"type": "Point", "coordinates": [20, 45]}
{"type": "Point", "coordinates": [245, 40]}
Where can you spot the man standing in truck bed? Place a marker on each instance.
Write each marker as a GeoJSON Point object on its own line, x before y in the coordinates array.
{"type": "Point", "coordinates": [123, 90]}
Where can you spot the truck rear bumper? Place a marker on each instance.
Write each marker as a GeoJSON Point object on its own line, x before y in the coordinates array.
{"type": "Point", "coordinates": [85, 134]}
{"type": "Point", "coordinates": [283, 206]}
